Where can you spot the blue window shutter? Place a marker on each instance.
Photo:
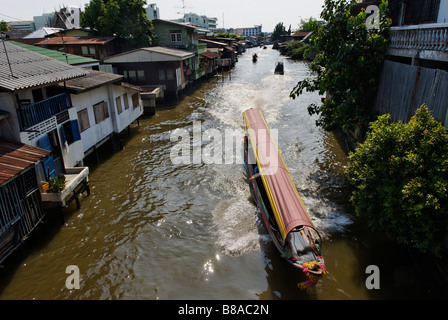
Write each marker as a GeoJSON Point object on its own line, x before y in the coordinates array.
{"type": "Point", "coordinates": [62, 135]}
{"type": "Point", "coordinates": [49, 166]}
{"type": "Point", "coordinates": [48, 162]}
{"type": "Point", "coordinates": [44, 142]}
{"type": "Point", "coordinates": [75, 130]}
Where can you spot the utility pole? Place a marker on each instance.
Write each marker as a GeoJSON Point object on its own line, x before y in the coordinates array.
{"type": "Point", "coordinates": [6, 53]}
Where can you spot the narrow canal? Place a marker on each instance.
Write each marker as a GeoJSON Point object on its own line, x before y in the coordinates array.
{"type": "Point", "coordinates": [154, 230]}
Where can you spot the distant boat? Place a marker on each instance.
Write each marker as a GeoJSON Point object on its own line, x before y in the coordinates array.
{"type": "Point", "coordinates": [254, 57]}
{"type": "Point", "coordinates": [279, 68]}
{"type": "Point", "coordinates": [279, 202]}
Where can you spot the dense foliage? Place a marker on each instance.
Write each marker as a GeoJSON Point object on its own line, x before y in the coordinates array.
{"type": "Point", "coordinates": [295, 49]}
{"type": "Point", "coordinates": [400, 175]}
{"type": "Point", "coordinates": [4, 26]}
{"type": "Point", "coordinates": [306, 25]}
{"type": "Point", "coordinates": [228, 35]}
{"type": "Point", "coordinates": [124, 18]}
{"type": "Point", "coordinates": [279, 30]}
{"type": "Point", "coordinates": [347, 66]}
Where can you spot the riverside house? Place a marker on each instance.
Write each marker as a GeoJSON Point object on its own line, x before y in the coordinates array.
{"type": "Point", "coordinates": [21, 206]}
{"type": "Point", "coordinates": [33, 120]}
{"type": "Point", "coordinates": [155, 66]}
{"type": "Point", "coordinates": [95, 47]}
{"type": "Point", "coordinates": [67, 110]}
{"type": "Point", "coordinates": [177, 35]}
{"type": "Point", "coordinates": [105, 107]}
{"type": "Point", "coordinates": [51, 116]}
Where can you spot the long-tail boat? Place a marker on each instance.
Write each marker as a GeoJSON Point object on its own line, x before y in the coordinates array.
{"type": "Point", "coordinates": [278, 200]}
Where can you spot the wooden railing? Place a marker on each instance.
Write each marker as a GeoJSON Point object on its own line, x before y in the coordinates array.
{"type": "Point", "coordinates": [420, 37]}
{"type": "Point", "coordinates": [35, 113]}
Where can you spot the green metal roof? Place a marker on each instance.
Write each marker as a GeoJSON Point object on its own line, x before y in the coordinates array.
{"type": "Point", "coordinates": [68, 58]}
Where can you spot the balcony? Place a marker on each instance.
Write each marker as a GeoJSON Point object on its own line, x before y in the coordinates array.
{"type": "Point", "coordinates": [77, 181]}
{"type": "Point", "coordinates": [35, 113]}
{"type": "Point", "coordinates": [428, 42]}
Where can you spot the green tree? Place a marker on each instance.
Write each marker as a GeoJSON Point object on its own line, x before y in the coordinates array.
{"type": "Point", "coordinates": [400, 179]}
{"type": "Point", "coordinates": [124, 18]}
{"type": "Point", "coordinates": [306, 25]}
{"type": "Point", "coordinates": [228, 35]}
{"type": "Point", "coordinates": [4, 26]}
{"type": "Point", "coordinates": [347, 66]}
{"type": "Point", "coordinates": [279, 30]}
{"type": "Point", "coordinates": [295, 49]}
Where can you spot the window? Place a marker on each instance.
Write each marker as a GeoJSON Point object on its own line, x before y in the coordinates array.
{"type": "Point", "coordinates": [141, 75]}
{"type": "Point", "coordinates": [118, 103]}
{"type": "Point", "coordinates": [126, 101]}
{"type": "Point", "coordinates": [132, 75]}
{"type": "Point", "coordinates": [169, 74]}
{"type": "Point", "coordinates": [88, 51]}
{"type": "Point", "coordinates": [101, 111]}
{"type": "Point", "coordinates": [83, 119]}
{"type": "Point", "coordinates": [135, 100]}
{"type": "Point", "coordinates": [176, 36]}
{"type": "Point", "coordinates": [69, 132]}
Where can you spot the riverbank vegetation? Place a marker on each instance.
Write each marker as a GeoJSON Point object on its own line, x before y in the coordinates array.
{"type": "Point", "coordinates": [400, 179]}
{"type": "Point", "coordinates": [296, 50]}
{"type": "Point", "coordinates": [347, 66]}
{"type": "Point", "coordinates": [228, 35]}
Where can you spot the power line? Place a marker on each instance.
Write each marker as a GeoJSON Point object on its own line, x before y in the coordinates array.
{"type": "Point", "coordinates": [17, 19]}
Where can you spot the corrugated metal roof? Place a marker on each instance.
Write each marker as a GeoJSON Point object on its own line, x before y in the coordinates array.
{"type": "Point", "coordinates": [175, 23]}
{"type": "Point", "coordinates": [16, 157]}
{"type": "Point", "coordinates": [150, 54]}
{"type": "Point", "coordinates": [71, 59]}
{"type": "Point", "coordinates": [30, 69]}
{"type": "Point", "coordinates": [43, 32]}
{"type": "Point", "coordinates": [170, 51]}
{"type": "Point", "coordinates": [77, 40]}
{"type": "Point", "coordinates": [210, 54]}
{"type": "Point", "coordinates": [94, 80]}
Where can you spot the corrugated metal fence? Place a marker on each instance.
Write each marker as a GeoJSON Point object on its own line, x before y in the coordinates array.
{"type": "Point", "coordinates": [403, 88]}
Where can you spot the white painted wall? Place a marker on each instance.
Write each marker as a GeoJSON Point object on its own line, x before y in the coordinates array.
{"type": "Point", "coordinates": [96, 132]}
{"type": "Point", "coordinates": [116, 122]}
{"type": "Point", "coordinates": [73, 153]}
{"type": "Point", "coordinates": [126, 117]}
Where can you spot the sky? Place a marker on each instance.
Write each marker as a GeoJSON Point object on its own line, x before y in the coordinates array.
{"type": "Point", "coordinates": [230, 13]}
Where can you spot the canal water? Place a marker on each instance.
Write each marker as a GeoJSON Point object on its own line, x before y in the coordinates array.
{"type": "Point", "coordinates": [151, 229]}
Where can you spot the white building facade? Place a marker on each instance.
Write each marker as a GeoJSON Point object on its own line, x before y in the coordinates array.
{"type": "Point", "coordinates": [200, 21]}
{"type": "Point", "coordinates": [152, 11]}
{"type": "Point", "coordinates": [249, 32]}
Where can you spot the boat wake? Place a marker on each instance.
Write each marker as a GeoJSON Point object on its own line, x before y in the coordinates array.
{"type": "Point", "coordinates": [234, 219]}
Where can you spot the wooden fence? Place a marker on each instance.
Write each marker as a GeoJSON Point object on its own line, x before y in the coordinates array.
{"type": "Point", "coordinates": [403, 88]}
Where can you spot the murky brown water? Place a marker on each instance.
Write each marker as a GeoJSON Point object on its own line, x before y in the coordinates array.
{"type": "Point", "coordinates": [154, 230]}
